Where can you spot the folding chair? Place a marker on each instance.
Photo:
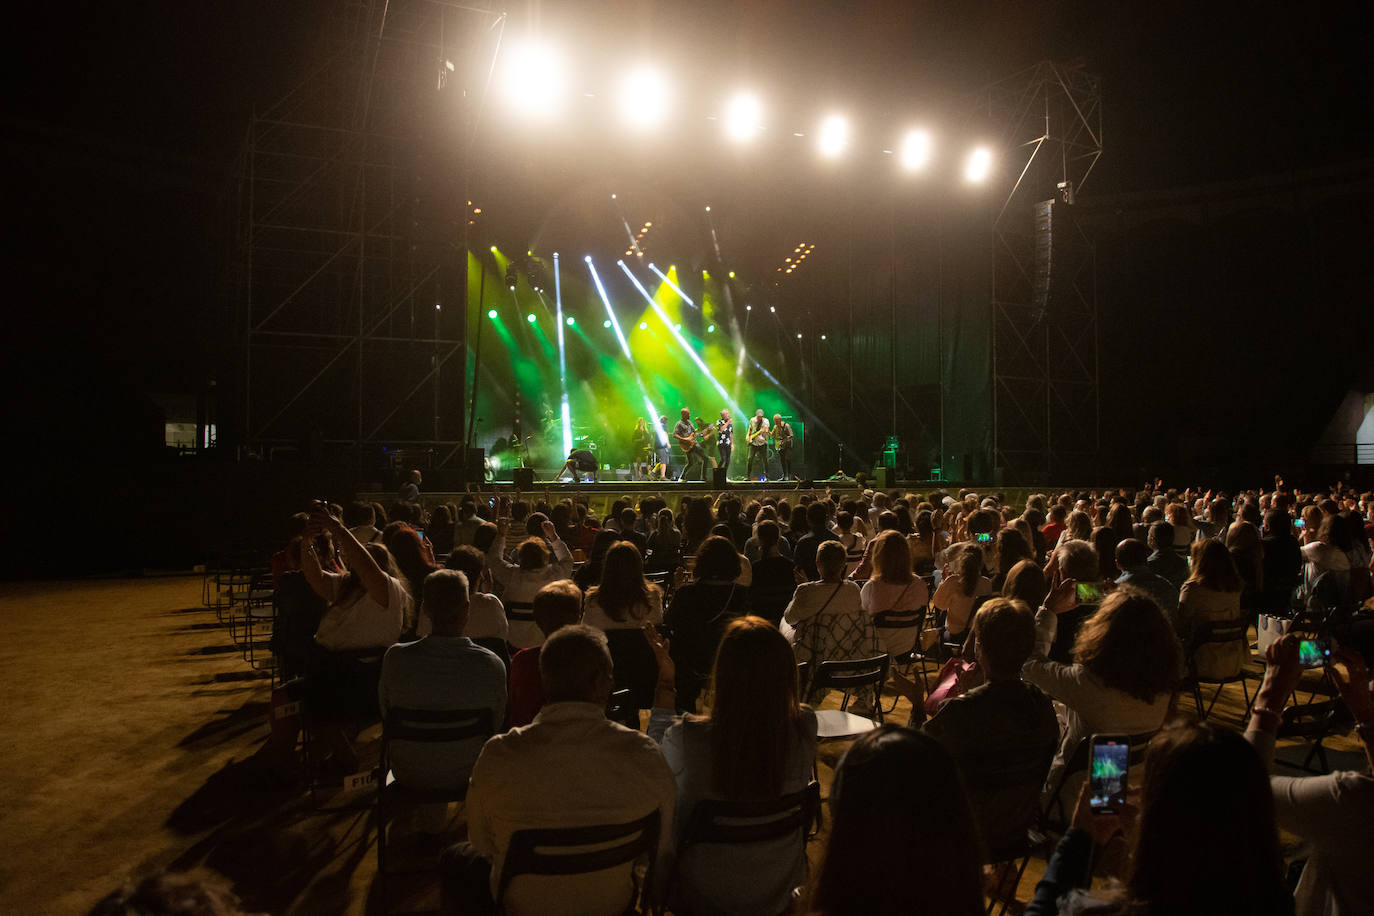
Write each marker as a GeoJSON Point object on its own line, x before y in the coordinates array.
{"type": "Point", "coordinates": [622, 708]}
{"type": "Point", "coordinates": [1027, 780]}
{"type": "Point", "coordinates": [850, 677]}
{"type": "Point", "coordinates": [740, 823]}
{"type": "Point", "coordinates": [1218, 633]}
{"type": "Point", "coordinates": [430, 727]}
{"type": "Point", "coordinates": [560, 851]}
{"type": "Point", "coordinates": [1313, 722]}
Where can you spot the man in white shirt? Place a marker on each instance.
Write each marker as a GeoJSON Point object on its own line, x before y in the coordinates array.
{"type": "Point", "coordinates": [571, 767]}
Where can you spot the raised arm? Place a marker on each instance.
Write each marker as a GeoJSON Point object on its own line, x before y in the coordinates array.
{"type": "Point", "coordinates": [374, 581]}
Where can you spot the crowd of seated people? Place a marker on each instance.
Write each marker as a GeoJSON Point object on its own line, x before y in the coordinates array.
{"type": "Point", "coordinates": [1078, 613]}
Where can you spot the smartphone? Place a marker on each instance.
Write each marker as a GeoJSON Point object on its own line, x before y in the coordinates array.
{"type": "Point", "coordinates": [421, 533]}
{"type": "Point", "coordinates": [1091, 592]}
{"type": "Point", "coordinates": [1299, 524]}
{"type": "Point", "coordinates": [1314, 653]}
{"type": "Point", "coordinates": [983, 538]}
{"type": "Point", "coordinates": [1107, 767]}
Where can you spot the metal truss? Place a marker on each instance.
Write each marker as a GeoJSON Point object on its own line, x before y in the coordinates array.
{"type": "Point", "coordinates": [1045, 398]}
{"type": "Point", "coordinates": [350, 274]}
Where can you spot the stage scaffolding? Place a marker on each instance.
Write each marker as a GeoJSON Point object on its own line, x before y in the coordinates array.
{"type": "Point", "coordinates": [351, 227]}
{"type": "Point", "coordinates": [1045, 400]}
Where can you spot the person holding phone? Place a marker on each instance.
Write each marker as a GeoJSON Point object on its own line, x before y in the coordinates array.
{"type": "Point", "coordinates": [1331, 813]}
{"type": "Point", "coordinates": [962, 582]}
{"type": "Point", "coordinates": [1203, 841]}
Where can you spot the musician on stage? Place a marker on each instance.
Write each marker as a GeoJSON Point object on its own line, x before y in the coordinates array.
{"type": "Point", "coordinates": [686, 435]}
{"type": "Point", "coordinates": [641, 450]}
{"type": "Point", "coordinates": [757, 437]}
{"type": "Point", "coordinates": [580, 461]}
{"type": "Point", "coordinates": [782, 441]}
{"type": "Point", "coordinates": [725, 440]}
{"type": "Point", "coordinates": [661, 453]}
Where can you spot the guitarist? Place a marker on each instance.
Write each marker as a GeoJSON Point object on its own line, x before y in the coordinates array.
{"type": "Point", "coordinates": [757, 437]}
{"type": "Point", "coordinates": [686, 435]}
{"type": "Point", "coordinates": [782, 441]}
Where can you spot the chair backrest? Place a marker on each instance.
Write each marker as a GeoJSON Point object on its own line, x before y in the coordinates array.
{"type": "Point", "coordinates": [436, 725]}
{"type": "Point", "coordinates": [559, 850]}
{"type": "Point", "coordinates": [520, 610]}
{"type": "Point", "coordinates": [852, 675]}
{"type": "Point", "coordinates": [718, 821]}
{"type": "Point", "coordinates": [636, 668]}
{"type": "Point", "coordinates": [1219, 632]}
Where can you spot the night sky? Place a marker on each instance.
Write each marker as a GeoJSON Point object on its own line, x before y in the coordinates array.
{"type": "Point", "coordinates": [123, 121]}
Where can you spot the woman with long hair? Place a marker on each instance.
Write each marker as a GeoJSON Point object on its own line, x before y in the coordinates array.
{"type": "Point", "coordinates": [925, 543]}
{"type": "Point", "coordinates": [961, 582]}
{"type": "Point", "coordinates": [1012, 548]}
{"type": "Point", "coordinates": [1185, 529]}
{"type": "Point", "coordinates": [699, 613]}
{"type": "Point", "coordinates": [1127, 663]}
{"type": "Point", "coordinates": [1211, 594]}
{"type": "Point", "coordinates": [880, 857]}
{"type": "Point", "coordinates": [1026, 582]}
{"type": "Point", "coordinates": [1104, 545]}
{"type": "Point", "coordinates": [757, 743]}
{"type": "Point", "coordinates": [623, 599]}
{"type": "Point", "coordinates": [590, 573]}
{"type": "Point", "coordinates": [1077, 527]}
{"type": "Point", "coordinates": [893, 596]}
{"type": "Point", "coordinates": [665, 541]}
{"type": "Point", "coordinates": [1205, 842]}
{"type": "Point", "coordinates": [414, 557]}
{"type": "Point", "coordinates": [1243, 543]}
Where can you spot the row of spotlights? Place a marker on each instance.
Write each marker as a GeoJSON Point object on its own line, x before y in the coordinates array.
{"type": "Point", "coordinates": [536, 84]}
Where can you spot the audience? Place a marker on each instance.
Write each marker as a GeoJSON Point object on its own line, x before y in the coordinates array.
{"type": "Point", "coordinates": [444, 670]}
{"type": "Point", "coordinates": [774, 576]}
{"type": "Point", "coordinates": [1164, 560]}
{"type": "Point", "coordinates": [1282, 570]}
{"type": "Point", "coordinates": [571, 767]}
{"type": "Point", "coordinates": [1133, 562]}
{"type": "Point", "coordinates": [487, 624]}
{"type": "Point", "coordinates": [623, 599]}
{"type": "Point", "coordinates": [521, 580]}
{"type": "Point", "coordinates": [1006, 726]}
{"type": "Point", "coordinates": [756, 717]}
{"type": "Point", "coordinates": [556, 605]}
{"type": "Point", "coordinates": [962, 583]}
{"type": "Point", "coordinates": [1211, 595]}
{"type": "Point", "coordinates": [804, 551]}
{"type": "Point", "coordinates": [893, 596]}
{"type": "Point", "coordinates": [891, 788]}
{"type": "Point", "coordinates": [699, 613]}
{"type": "Point", "coordinates": [826, 618]}
{"type": "Point", "coordinates": [1072, 563]}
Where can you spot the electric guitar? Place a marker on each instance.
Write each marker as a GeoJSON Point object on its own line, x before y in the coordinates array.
{"type": "Point", "coordinates": [759, 436]}
{"type": "Point", "coordinates": [782, 437]}
{"type": "Point", "coordinates": [688, 442]}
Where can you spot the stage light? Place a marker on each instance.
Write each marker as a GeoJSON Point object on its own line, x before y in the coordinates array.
{"type": "Point", "coordinates": [822, 337]}
{"type": "Point", "coordinates": [493, 249]}
{"type": "Point", "coordinates": [530, 318]}
{"type": "Point", "coordinates": [798, 337]}
{"type": "Point", "coordinates": [436, 306]}
{"type": "Point", "coordinates": [915, 150]}
{"type": "Point", "coordinates": [979, 164]}
{"type": "Point", "coordinates": [491, 313]}
{"type": "Point", "coordinates": [708, 209]}
{"type": "Point", "coordinates": [606, 324]}
{"type": "Point", "coordinates": [677, 327]}
{"type": "Point", "coordinates": [710, 329]}
{"type": "Point", "coordinates": [773, 309]}
{"type": "Point", "coordinates": [644, 98]}
{"type": "Point", "coordinates": [748, 308]}
{"type": "Point", "coordinates": [534, 80]}
{"type": "Point", "coordinates": [644, 325]}
{"type": "Point", "coordinates": [732, 275]}
{"type": "Point", "coordinates": [570, 321]}
{"type": "Point", "coordinates": [742, 116]}
{"type": "Point", "coordinates": [834, 137]}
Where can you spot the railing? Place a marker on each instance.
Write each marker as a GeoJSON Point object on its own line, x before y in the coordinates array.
{"type": "Point", "coordinates": [1342, 453]}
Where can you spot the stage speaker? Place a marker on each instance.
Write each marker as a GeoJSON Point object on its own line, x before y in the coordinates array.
{"type": "Point", "coordinates": [523, 477]}
{"type": "Point", "coordinates": [883, 478]}
{"type": "Point", "coordinates": [718, 478]}
{"type": "Point", "coordinates": [474, 470]}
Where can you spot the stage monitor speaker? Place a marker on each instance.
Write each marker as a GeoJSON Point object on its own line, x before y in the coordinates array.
{"type": "Point", "coordinates": [883, 478]}
{"type": "Point", "coordinates": [523, 477]}
{"type": "Point", "coordinates": [718, 479]}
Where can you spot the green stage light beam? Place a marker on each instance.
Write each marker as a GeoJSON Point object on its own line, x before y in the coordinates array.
{"type": "Point", "coordinates": [691, 353]}
{"type": "Point", "coordinates": [562, 356]}
{"type": "Point", "coordinates": [625, 348]}
{"type": "Point", "coordinates": [677, 289]}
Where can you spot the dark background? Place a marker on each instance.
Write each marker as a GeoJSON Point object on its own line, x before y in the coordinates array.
{"type": "Point", "coordinates": [122, 123]}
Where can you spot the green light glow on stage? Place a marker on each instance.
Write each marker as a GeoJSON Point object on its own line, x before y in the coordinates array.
{"type": "Point", "coordinates": [491, 313]}
{"type": "Point", "coordinates": [530, 318]}
{"type": "Point", "coordinates": [570, 321]}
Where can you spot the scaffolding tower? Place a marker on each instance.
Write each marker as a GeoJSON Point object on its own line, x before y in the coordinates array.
{"type": "Point", "coordinates": [350, 313]}
{"type": "Point", "coordinates": [1045, 396]}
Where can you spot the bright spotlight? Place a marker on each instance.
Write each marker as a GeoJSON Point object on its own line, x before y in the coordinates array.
{"type": "Point", "coordinates": [710, 329]}
{"type": "Point", "coordinates": [915, 150]}
{"type": "Point", "coordinates": [606, 323]}
{"type": "Point", "coordinates": [570, 321]}
{"type": "Point", "coordinates": [644, 98]}
{"type": "Point", "coordinates": [534, 80]}
{"type": "Point", "coordinates": [493, 249]}
{"type": "Point", "coordinates": [742, 116]}
{"type": "Point", "coordinates": [979, 164]}
{"type": "Point", "coordinates": [798, 337]}
{"type": "Point", "coordinates": [644, 325]}
{"type": "Point", "coordinates": [491, 313]}
{"type": "Point", "coordinates": [530, 318]}
{"type": "Point", "coordinates": [834, 137]}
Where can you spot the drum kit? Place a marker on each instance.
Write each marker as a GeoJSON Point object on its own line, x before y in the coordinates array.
{"type": "Point", "coordinates": [546, 448]}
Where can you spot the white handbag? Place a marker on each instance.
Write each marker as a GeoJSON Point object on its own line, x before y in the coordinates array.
{"type": "Point", "coordinates": [1270, 628]}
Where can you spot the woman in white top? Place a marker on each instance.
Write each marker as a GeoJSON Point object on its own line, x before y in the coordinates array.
{"type": "Point", "coordinates": [623, 600]}
{"type": "Point", "coordinates": [962, 582]}
{"type": "Point", "coordinates": [523, 579]}
{"type": "Point", "coordinates": [825, 620]}
{"type": "Point", "coordinates": [366, 606]}
{"type": "Point", "coordinates": [1127, 664]}
{"type": "Point", "coordinates": [894, 597]}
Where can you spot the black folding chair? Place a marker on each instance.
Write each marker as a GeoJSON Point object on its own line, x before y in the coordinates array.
{"type": "Point", "coordinates": [740, 823]}
{"type": "Point", "coordinates": [1312, 722]}
{"type": "Point", "coordinates": [430, 727]}
{"type": "Point", "coordinates": [1218, 633]}
{"type": "Point", "coordinates": [850, 677]}
{"type": "Point", "coordinates": [560, 851]}
{"type": "Point", "coordinates": [622, 708]}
